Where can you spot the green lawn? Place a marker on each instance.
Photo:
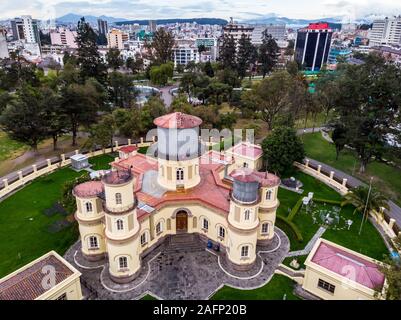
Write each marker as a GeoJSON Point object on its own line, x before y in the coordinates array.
{"type": "Point", "coordinates": [277, 287]}
{"type": "Point", "coordinates": [24, 234]}
{"type": "Point", "coordinates": [369, 242]}
{"type": "Point", "coordinates": [101, 162]}
{"type": "Point", "coordinates": [386, 177]}
{"type": "Point", "coordinates": [288, 199]}
{"type": "Point", "coordinates": [148, 297]}
{"type": "Point", "coordinates": [9, 147]}
{"type": "Point", "coordinates": [301, 260]}
{"type": "Point", "coordinates": [24, 226]}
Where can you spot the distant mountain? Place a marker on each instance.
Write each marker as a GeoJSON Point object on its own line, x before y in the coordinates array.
{"type": "Point", "coordinates": [167, 21]}
{"type": "Point", "coordinates": [272, 18]}
{"type": "Point", "coordinates": [74, 18]}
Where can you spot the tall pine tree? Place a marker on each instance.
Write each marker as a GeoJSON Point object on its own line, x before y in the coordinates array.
{"type": "Point", "coordinates": [228, 52]}
{"type": "Point", "coordinates": [90, 63]}
{"type": "Point", "coordinates": [245, 56]}
{"type": "Point", "coordinates": [268, 54]}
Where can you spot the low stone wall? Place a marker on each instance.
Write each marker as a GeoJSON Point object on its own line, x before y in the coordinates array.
{"type": "Point", "coordinates": [386, 223]}
{"type": "Point", "coordinates": [53, 164]}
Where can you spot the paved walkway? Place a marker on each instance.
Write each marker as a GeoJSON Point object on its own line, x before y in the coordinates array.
{"type": "Point", "coordinates": [309, 246]}
{"type": "Point", "coordinates": [170, 273]}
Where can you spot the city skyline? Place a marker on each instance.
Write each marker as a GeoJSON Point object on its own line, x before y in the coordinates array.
{"type": "Point", "coordinates": [239, 9]}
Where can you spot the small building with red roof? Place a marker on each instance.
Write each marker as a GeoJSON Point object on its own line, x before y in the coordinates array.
{"type": "Point", "coordinates": [334, 272]}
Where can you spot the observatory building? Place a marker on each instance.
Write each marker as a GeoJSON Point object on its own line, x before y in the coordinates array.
{"type": "Point", "coordinates": [180, 188]}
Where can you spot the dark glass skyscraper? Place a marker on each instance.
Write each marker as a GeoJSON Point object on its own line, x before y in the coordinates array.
{"type": "Point", "coordinates": [312, 46]}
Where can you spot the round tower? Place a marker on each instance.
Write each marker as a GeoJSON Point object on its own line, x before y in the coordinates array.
{"type": "Point", "coordinates": [178, 150]}
{"type": "Point", "coordinates": [268, 206]}
{"type": "Point", "coordinates": [90, 217]}
{"type": "Point", "coordinates": [243, 218]}
{"type": "Point", "coordinates": [122, 227]}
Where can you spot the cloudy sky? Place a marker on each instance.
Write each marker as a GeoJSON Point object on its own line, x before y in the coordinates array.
{"type": "Point", "coordinates": [239, 9]}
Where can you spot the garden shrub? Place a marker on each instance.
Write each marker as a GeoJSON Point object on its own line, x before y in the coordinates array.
{"type": "Point", "coordinates": [295, 209]}
{"type": "Point", "coordinates": [292, 226]}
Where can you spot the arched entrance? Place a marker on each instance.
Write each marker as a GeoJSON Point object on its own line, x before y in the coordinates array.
{"type": "Point", "coordinates": [181, 221]}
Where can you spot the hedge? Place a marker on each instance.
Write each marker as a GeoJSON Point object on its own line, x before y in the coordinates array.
{"type": "Point", "coordinates": [292, 226]}
{"type": "Point", "coordinates": [295, 209]}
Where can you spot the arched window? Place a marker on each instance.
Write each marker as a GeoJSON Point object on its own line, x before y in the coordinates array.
{"type": "Point", "coordinates": [93, 243]}
{"type": "Point", "coordinates": [244, 251]}
{"type": "Point", "coordinates": [168, 224]}
{"type": "Point", "coordinates": [222, 232]}
{"type": "Point", "coordinates": [118, 198]}
{"type": "Point", "coordinates": [265, 228]}
{"type": "Point", "coordinates": [205, 224]}
{"type": "Point", "coordinates": [268, 195]}
{"type": "Point", "coordinates": [144, 238]}
{"type": "Point", "coordinates": [120, 224]}
{"type": "Point", "coordinates": [159, 227]}
{"type": "Point", "coordinates": [123, 262]}
{"type": "Point", "coordinates": [180, 174]}
{"type": "Point", "coordinates": [247, 214]}
{"type": "Point", "coordinates": [194, 222]}
{"type": "Point", "coordinates": [89, 207]}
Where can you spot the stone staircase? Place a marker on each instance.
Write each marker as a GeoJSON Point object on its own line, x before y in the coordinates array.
{"type": "Point", "coordinates": [184, 243]}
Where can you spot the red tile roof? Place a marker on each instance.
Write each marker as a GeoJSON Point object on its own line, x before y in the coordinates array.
{"type": "Point", "coordinates": [348, 265]}
{"type": "Point", "coordinates": [27, 284]}
{"type": "Point", "coordinates": [89, 189]}
{"type": "Point", "coordinates": [128, 149]}
{"type": "Point", "coordinates": [177, 120]}
{"type": "Point", "coordinates": [248, 175]}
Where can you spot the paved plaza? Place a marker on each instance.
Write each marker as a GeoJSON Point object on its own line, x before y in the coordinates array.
{"type": "Point", "coordinates": [180, 270]}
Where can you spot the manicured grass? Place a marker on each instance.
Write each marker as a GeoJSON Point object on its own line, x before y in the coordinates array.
{"type": "Point", "coordinates": [386, 177]}
{"type": "Point", "coordinates": [143, 150]}
{"type": "Point", "coordinates": [277, 287]}
{"type": "Point", "coordinates": [24, 234]}
{"type": "Point", "coordinates": [288, 199]}
{"type": "Point", "coordinates": [301, 260]}
{"type": "Point", "coordinates": [148, 297]}
{"type": "Point", "coordinates": [369, 242]}
{"type": "Point", "coordinates": [101, 162]}
{"type": "Point", "coordinates": [10, 148]}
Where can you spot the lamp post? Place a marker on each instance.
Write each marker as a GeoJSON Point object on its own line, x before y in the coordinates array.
{"type": "Point", "coordinates": [366, 205]}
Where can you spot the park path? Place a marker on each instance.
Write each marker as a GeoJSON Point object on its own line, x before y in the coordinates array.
{"type": "Point", "coordinates": [309, 246]}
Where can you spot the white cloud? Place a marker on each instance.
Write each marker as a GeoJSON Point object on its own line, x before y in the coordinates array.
{"type": "Point", "coordinates": [239, 9]}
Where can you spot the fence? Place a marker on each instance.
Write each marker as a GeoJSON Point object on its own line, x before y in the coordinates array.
{"type": "Point", "coordinates": [20, 178]}
{"type": "Point", "coordinates": [386, 223]}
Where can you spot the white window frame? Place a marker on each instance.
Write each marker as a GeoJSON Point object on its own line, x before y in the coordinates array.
{"type": "Point", "coordinates": [119, 198]}
{"type": "Point", "coordinates": [89, 207]}
{"type": "Point", "coordinates": [159, 227]}
{"type": "Point", "coordinates": [144, 238]}
{"type": "Point", "coordinates": [269, 194]}
{"type": "Point", "coordinates": [93, 242]}
{"type": "Point", "coordinates": [120, 224]}
{"type": "Point", "coordinates": [245, 251]}
{"type": "Point", "coordinates": [222, 232]}
{"type": "Point", "coordinates": [267, 226]}
{"type": "Point", "coordinates": [179, 174]}
{"type": "Point", "coordinates": [122, 263]}
{"type": "Point", "coordinates": [205, 224]}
